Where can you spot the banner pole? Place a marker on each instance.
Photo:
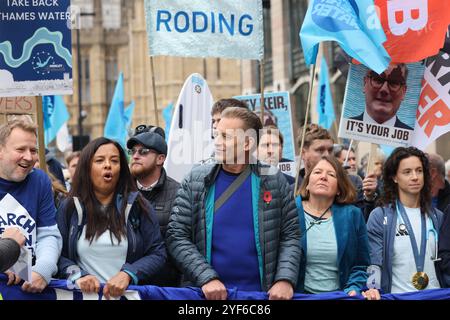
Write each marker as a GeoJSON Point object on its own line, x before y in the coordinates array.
{"type": "Point", "coordinates": [155, 106]}
{"type": "Point", "coordinates": [348, 152]}
{"type": "Point", "coordinates": [41, 141]}
{"type": "Point", "coordinates": [308, 104]}
{"type": "Point", "coordinates": [373, 150]}
{"type": "Point", "coordinates": [261, 79]}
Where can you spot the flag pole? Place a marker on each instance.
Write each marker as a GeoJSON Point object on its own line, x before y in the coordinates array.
{"type": "Point", "coordinates": [155, 106]}
{"type": "Point", "coordinates": [308, 105]}
{"type": "Point", "coordinates": [41, 140]}
{"type": "Point", "coordinates": [261, 79]}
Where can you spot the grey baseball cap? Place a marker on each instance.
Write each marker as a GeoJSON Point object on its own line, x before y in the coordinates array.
{"type": "Point", "coordinates": [151, 140]}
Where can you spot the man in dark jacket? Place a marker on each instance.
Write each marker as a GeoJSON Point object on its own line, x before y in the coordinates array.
{"type": "Point", "coordinates": [10, 242]}
{"type": "Point", "coordinates": [440, 188]}
{"type": "Point", "coordinates": [255, 245]}
{"type": "Point", "coordinates": [148, 150]}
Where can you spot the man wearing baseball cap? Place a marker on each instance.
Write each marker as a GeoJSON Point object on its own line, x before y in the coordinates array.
{"type": "Point", "coordinates": [148, 151]}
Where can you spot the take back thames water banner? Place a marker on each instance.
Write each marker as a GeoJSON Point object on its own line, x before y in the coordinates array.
{"type": "Point", "coordinates": [35, 48]}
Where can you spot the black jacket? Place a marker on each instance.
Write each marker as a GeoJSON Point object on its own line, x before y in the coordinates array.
{"type": "Point", "coordinates": [444, 197]}
{"type": "Point", "coordinates": [444, 249]}
{"type": "Point", "coordinates": [9, 253]}
{"type": "Point", "coordinates": [145, 255]}
{"type": "Point", "coordinates": [161, 198]}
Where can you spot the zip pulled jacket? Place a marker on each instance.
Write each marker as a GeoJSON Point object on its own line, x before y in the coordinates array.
{"type": "Point", "coordinates": [276, 229]}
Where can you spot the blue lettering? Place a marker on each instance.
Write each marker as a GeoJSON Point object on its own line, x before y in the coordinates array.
{"type": "Point", "coordinates": [2, 222]}
{"type": "Point", "coordinates": [29, 226]}
{"type": "Point", "coordinates": [186, 19]}
{"type": "Point", "coordinates": [196, 14]}
{"type": "Point", "coordinates": [29, 241]}
{"type": "Point", "coordinates": [223, 21]}
{"type": "Point", "coordinates": [249, 27]}
{"type": "Point", "coordinates": [11, 217]}
{"type": "Point", "coordinates": [160, 19]}
{"type": "Point", "coordinates": [201, 22]}
{"type": "Point", "coordinates": [213, 23]}
{"type": "Point", "coordinates": [19, 223]}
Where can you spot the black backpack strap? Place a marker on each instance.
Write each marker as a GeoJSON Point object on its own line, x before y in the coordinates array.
{"type": "Point", "coordinates": [232, 188]}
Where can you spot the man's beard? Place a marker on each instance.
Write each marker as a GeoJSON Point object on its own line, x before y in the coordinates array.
{"type": "Point", "coordinates": [139, 171]}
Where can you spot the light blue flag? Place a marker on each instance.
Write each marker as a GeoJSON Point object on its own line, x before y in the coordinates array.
{"type": "Point", "coordinates": [167, 114]}
{"type": "Point", "coordinates": [387, 150]}
{"type": "Point", "coordinates": [355, 26]}
{"type": "Point", "coordinates": [129, 114]}
{"type": "Point", "coordinates": [116, 123]}
{"type": "Point", "coordinates": [325, 107]}
{"type": "Point", "coordinates": [55, 115]}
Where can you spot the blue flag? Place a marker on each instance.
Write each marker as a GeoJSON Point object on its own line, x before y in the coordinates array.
{"type": "Point", "coordinates": [55, 116]}
{"type": "Point", "coordinates": [167, 114]}
{"type": "Point", "coordinates": [387, 150]}
{"type": "Point", "coordinates": [129, 114]}
{"type": "Point", "coordinates": [119, 118]}
{"type": "Point", "coordinates": [356, 27]}
{"type": "Point", "coordinates": [325, 107]}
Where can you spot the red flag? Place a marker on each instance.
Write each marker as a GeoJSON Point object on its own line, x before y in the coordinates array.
{"type": "Point", "coordinates": [415, 29]}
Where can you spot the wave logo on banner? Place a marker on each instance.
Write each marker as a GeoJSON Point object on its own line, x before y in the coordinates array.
{"type": "Point", "coordinates": [433, 113]}
{"type": "Point", "coordinates": [344, 10]}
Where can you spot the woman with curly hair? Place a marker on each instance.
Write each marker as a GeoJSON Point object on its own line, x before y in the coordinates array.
{"type": "Point", "coordinates": [403, 232]}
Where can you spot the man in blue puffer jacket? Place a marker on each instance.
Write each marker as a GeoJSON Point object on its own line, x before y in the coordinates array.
{"type": "Point", "coordinates": [232, 224]}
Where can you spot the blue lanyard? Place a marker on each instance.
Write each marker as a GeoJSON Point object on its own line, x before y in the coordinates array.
{"type": "Point", "coordinates": [419, 257]}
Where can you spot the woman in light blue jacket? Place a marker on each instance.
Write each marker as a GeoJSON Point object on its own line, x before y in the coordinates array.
{"type": "Point", "coordinates": [334, 236]}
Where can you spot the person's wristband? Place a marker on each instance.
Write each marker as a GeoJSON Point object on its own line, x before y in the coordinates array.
{"type": "Point", "coordinates": [372, 198]}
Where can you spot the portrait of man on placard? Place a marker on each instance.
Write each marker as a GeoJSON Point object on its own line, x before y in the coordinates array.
{"type": "Point", "coordinates": [384, 94]}
{"type": "Point", "coordinates": [382, 108]}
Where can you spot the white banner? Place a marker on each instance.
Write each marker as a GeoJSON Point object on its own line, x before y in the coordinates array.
{"type": "Point", "coordinates": [228, 29]}
{"type": "Point", "coordinates": [433, 114]}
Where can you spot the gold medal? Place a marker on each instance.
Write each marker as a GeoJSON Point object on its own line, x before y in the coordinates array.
{"type": "Point", "coordinates": [420, 280]}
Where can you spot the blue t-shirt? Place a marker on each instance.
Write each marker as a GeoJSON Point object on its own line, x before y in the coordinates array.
{"type": "Point", "coordinates": [28, 205]}
{"type": "Point", "coordinates": [233, 248]}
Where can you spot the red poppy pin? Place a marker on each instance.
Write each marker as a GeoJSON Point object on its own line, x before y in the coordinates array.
{"type": "Point", "coordinates": [267, 197]}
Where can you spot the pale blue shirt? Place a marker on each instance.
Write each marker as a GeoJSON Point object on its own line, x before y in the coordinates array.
{"type": "Point", "coordinates": [322, 273]}
{"type": "Point", "coordinates": [102, 258]}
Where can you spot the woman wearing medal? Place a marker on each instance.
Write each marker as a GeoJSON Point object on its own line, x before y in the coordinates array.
{"type": "Point", "coordinates": [334, 235]}
{"type": "Point", "coordinates": [403, 233]}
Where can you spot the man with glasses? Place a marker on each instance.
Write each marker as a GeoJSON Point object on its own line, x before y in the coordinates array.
{"type": "Point", "coordinates": [148, 151]}
{"type": "Point", "coordinates": [384, 94]}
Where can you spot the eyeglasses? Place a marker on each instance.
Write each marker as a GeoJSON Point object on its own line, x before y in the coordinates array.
{"type": "Point", "coordinates": [377, 82]}
{"type": "Point", "coordinates": [141, 151]}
